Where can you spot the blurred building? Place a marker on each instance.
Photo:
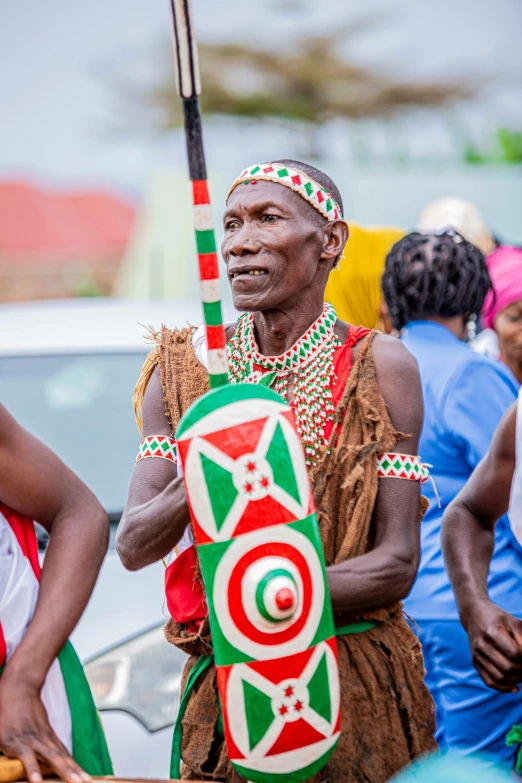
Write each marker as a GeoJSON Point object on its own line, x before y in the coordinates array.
{"type": "Point", "coordinates": [160, 261]}
{"type": "Point", "coordinates": [56, 244]}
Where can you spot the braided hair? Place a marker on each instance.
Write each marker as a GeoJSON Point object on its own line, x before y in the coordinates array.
{"type": "Point", "coordinates": [434, 274]}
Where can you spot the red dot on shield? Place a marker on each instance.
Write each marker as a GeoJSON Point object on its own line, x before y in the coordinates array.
{"type": "Point", "coordinates": [298, 706]}
{"type": "Point", "coordinates": [283, 709]}
{"type": "Point", "coordinates": [251, 466]}
{"type": "Point", "coordinates": [249, 487]}
{"type": "Point", "coordinates": [284, 599]}
{"type": "Point", "coordinates": [236, 608]}
{"type": "Point", "coordinates": [289, 690]}
{"type": "Point", "coordinates": [264, 482]}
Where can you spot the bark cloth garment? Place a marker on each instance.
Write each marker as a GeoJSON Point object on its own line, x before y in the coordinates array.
{"type": "Point", "coordinates": [387, 712]}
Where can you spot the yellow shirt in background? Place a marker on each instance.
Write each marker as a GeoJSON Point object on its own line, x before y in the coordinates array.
{"type": "Point", "coordinates": [355, 288]}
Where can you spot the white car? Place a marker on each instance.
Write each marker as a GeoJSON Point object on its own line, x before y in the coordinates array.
{"type": "Point", "coordinates": [67, 372]}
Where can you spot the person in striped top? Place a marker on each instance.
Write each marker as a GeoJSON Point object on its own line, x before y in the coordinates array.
{"type": "Point", "coordinates": [46, 709]}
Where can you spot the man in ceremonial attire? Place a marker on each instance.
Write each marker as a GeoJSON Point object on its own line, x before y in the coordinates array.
{"type": "Point", "coordinates": [356, 397]}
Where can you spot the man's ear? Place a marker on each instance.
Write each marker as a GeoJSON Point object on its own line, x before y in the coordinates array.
{"type": "Point", "coordinates": [336, 235]}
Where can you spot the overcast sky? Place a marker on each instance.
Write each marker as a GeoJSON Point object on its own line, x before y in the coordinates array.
{"type": "Point", "coordinates": [56, 107]}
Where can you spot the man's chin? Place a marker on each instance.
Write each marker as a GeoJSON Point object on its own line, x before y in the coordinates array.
{"type": "Point", "coordinates": [251, 303]}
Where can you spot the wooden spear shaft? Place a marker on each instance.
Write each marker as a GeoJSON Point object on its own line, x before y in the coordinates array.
{"type": "Point", "coordinates": [189, 87]}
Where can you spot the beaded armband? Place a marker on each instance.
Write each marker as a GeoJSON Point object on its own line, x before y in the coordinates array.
{"type": "Point", "coordinates": [158, 446]}
{"type": "Point", "coordinates": [403, 466]}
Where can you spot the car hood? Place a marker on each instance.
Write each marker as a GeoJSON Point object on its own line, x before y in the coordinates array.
{"type": "Point", "coordinates": [122, 605]}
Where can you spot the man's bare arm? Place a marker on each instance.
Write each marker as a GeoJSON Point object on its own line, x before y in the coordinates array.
{"type": "Point", "coordinates": [34, 482]}
{"type": "Point", "coordinates": [468, 527]}
{"type": "Point", "coordinates": [386, 574]}
{"type": "Point", "coordinates": [468, 540]}
{"type": "Point", "coordinates": [156, 513]}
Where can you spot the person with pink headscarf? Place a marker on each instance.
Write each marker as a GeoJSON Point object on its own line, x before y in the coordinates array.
{"type": "Point", "coordinates": [502, 310]}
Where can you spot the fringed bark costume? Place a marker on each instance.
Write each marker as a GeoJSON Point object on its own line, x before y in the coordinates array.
{"type": "Point", "coordinates": [387, 713]}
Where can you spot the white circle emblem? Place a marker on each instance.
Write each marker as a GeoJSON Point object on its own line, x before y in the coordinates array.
{"type": "Point", "coordinates": [253, 637]}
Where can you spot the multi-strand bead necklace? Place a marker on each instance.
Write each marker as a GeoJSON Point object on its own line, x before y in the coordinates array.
{"type": "Point", "coordinates": [309, 360]}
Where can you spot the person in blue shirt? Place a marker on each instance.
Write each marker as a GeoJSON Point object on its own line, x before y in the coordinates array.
{"type": "Point", "coordinates": [432, 285]}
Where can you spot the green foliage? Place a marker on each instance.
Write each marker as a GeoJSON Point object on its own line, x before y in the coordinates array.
{"type": "Point", "coordinates": [87, 288]}
{"type": "Point", "coordinates": [312, 82]}
{"type": "Point", "coordinates": [506, 148]}
{"type": "Point", "coordinates": [510, 143]}
{"type": "Point", "coordinates": [473, 156]}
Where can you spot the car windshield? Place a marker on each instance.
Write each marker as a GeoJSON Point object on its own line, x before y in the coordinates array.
{"type": "Point", "coordinates": [81, 407]}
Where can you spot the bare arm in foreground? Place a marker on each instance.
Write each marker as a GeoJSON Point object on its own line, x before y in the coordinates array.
{"type": "Point", "coordinates": [468, 539]}
{"type": "Point", "coordinates": [34, 482]}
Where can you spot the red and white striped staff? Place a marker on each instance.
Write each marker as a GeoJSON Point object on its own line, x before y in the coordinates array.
{"type": "Point", "coordinates": [189, 87]}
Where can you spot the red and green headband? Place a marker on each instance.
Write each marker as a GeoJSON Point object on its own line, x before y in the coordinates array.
{"type": "Point", "coordinates": [295, 179]}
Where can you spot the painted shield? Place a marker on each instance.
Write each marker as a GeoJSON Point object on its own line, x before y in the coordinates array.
{"type": "Point", "coordinates": [265, 582]}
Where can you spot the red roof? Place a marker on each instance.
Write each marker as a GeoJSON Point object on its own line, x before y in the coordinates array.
{"type": "Point", "coordinates": [39, 224]}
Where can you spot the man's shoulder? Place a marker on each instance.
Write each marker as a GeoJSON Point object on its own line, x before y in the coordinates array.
{"type": "Point", "coordinates": [176, 335]}
{"type": "Point", "coordinates": [391, 356]}
{"type": "Point", "coordinates": [398, 378]}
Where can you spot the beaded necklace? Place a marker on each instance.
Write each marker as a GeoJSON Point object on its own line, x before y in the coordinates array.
{"type": "Point", "coordinates": [309, 360]}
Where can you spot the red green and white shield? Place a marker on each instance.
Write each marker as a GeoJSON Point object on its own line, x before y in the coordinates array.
{"type": "Point", "coordinates": [284, 713]}
{"type": "Point", "coordinates": [265, 582]}
{"type": "Point", "coordinates": [243, 463]}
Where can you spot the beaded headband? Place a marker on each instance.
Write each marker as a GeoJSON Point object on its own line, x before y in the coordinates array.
{"type": "Point", "coordinates": [295, 179]}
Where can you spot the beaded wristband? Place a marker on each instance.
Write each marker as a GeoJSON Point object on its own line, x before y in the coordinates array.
{"type": "Point", "coordinates": [403, 466]}
{"type": "Point", "coordinates": [158, 446]}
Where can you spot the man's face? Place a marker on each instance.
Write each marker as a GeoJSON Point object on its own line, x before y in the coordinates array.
{"type": "Point", "coordinates": [272, 245]}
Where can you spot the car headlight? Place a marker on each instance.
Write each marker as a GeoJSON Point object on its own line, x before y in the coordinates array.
{"type": "Point", "coordinates": [141, 676]}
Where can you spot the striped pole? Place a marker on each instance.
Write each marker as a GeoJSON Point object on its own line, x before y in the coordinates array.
{"type": "Point", "coordinates": [210, 284]}
{"type": "Point", "coordinates": [189, 87]}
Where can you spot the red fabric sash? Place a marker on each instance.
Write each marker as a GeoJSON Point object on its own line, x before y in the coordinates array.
{"type": "Point", "coordinates": [183, 592]}
{"type": "Point", "coordinates": [23, 528]}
